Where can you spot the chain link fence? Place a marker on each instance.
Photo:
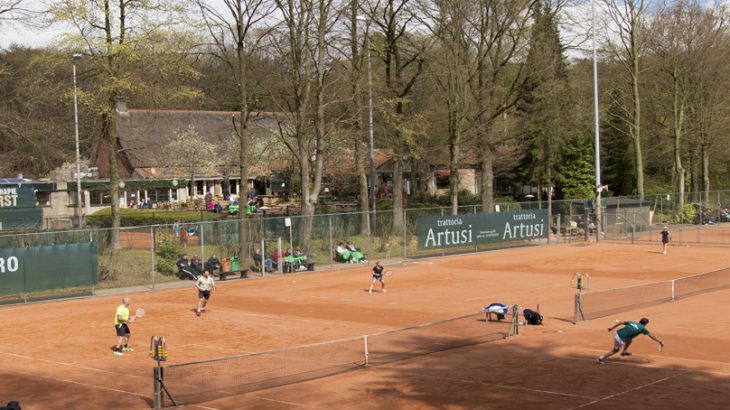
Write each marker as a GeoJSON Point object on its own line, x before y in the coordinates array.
{"type": "Point", "coordinates": [148, 254]}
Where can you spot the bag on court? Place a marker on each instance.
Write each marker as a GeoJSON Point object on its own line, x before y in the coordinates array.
{"type": "Point", "coordinates": [532, 317]}
{"type": "Point", "coordinates": [500, 309]}
{"type": "Point", "coordinates": [13, 405]}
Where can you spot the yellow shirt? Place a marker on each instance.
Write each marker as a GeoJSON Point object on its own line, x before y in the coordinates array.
{"type": "Point", "coordinates": [122, 311]}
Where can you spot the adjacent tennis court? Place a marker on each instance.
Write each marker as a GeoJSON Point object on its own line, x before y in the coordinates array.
{"type": "Point", "coordinates": [58, 354]}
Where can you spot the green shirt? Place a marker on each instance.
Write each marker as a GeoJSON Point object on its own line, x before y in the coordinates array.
{"type": "Point", "coordinates": [631, 330]}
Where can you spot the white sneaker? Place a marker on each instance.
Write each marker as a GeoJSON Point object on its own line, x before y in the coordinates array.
{"type": "Point", "coordinates": [665, 252]}
{"type": "Point", "coordinates": [370, 291]}
{"type": "Point", "coordinates": [384, 291]}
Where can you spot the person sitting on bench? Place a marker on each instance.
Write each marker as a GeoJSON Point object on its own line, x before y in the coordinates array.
{"type": "Point", "coordinates": [185, 271]}
{"type": "Point", "coordinates": [342, 254]}
{"type": "Point", "coordinates": [213, 264]}
{"type": "Point", "coordinates": [355, 255]}
{"type": "Point", "coordinates": [268, 263]}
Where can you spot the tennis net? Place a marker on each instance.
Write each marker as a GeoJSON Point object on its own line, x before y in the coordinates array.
{"type": "Point", "coordinates": [197, 382]}
{"type": "Point", "coordinates": [593, 305]}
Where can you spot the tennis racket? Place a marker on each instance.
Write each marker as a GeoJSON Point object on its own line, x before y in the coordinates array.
{"type": "Point", "coordinates": [138, 313]}
{"type": "Point", "coordinates": [388, 273]}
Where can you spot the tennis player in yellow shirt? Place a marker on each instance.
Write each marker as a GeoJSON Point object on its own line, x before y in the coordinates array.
{"type": "Point", "coordinates": [205, 285]}
{"type": "Point", "coordinates": [121, 325]}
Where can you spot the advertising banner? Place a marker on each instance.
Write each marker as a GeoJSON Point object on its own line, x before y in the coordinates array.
{"type": "Point", "coordinates": [449, 231]}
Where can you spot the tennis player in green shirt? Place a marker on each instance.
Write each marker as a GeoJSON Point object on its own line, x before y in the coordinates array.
{"type": "Point", "coordinates": [626, 335]}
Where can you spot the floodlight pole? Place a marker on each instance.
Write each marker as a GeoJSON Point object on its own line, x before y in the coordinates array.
{"type": "Point", "coordinates": [597, 127]}
{"type": "Point", "coordinates": [79, 209]}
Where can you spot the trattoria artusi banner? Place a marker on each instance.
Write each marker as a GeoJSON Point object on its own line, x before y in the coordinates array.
{"type": "Point", "coordinates": [448, 231]}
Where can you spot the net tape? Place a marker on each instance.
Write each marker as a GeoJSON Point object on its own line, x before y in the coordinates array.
{"type": "Point", "coordinates": [197, 382]}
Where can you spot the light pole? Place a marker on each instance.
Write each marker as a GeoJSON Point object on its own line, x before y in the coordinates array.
{"type": "Point", "coordinates": [79, 211]}
{"type": "Point", "coordinates": [370, 127]}
{"type": "Point", "coordinates": [597, 127]}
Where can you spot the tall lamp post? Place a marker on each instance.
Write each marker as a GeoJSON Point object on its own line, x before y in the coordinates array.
{"type": "Point", "coordinates": [370, 126]}
{"type": "Point", "coordinates": [598, 187]}
{"type": "Point", "coordinates": [79, 211]}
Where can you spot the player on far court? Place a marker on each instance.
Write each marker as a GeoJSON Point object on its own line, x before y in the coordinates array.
{"type": "Point", "coordinates": [205, 285]}
{"type": "Point", "coordinates": [377, 277]}
{"type": "Point", "coordinates": [121, 325]}
{"type": "Point", "coordinates": [625, 335]}
{"type": "Point", "coordinates": [666, 237]}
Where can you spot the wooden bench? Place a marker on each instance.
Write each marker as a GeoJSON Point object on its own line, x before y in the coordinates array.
{"type": "Point", "coordinates": [242, 272]}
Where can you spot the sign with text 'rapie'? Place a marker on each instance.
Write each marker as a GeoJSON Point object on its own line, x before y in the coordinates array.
{"type": "Point", "coordinates": [449, 231]}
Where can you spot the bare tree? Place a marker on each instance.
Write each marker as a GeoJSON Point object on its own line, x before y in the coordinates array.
{"type": "Point", "coordinates": [402, 54]}
{"type": "Point", "coordinates": [627, 43]}
{"type": "Point", "coordinates": [234, 39]}
{"type": "Point", "coordinates": [502, 29]}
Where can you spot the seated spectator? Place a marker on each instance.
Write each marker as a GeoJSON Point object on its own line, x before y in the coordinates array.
{"type": "Point", "coordinates": [185, 271]}
{"type": "Point", "coordinates": [217, 208]}
{"type": "Point", "coordinates": [268, 263]}
{"type": "Point", "coordinates": [197, 264]}
{"type": "Point", "coordinates": [355, 255]}
{"type": "Point", "coordinates": [210, 206]}
{"type": "Point", "coordinates": [213, 264]}
{"type": "Point", "coordinates": [250, 207]}
{"type": "Point", "coordinates": [299, 259]}
{"type": "Point", "coordinates": [341, 253]}
{"type": "Point", "coordinates": [233, 199]}
{"type": "Point", "coordinates": [234, 208]}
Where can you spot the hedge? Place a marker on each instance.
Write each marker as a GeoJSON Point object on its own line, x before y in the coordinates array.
{"type": "Point", "coordinates": [144, 217]}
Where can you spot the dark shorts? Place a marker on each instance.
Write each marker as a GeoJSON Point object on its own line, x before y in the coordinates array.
{"type": "Point", "coordinates": [203, 294]}
{"type": "Point", "coordinates": [122, 330]}
{"type": "Point", "coordinates": [665, 240]}
{"type": "Point", "coordinates": [378, 277]}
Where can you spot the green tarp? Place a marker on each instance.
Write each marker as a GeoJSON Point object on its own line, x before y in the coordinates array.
{"type": "Point", "coordinates": [43, 268]}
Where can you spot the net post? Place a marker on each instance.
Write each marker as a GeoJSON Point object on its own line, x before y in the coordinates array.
{"type": "Point", "coordinates": [367, 353]}
{"type": "Point", "coordinates": [157, 390]}
{"type": "Point", "coordinates": [515, 326]}
{"type": "Point", "coordinates": [577, 315]}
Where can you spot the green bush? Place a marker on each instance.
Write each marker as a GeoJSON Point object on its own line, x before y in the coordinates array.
{"type": "Point", "coordinates": [687, 215]}
{"type": "Point", "coordinates": [145, 217]}
{"type": "Point", "coordinates": [167, 250]}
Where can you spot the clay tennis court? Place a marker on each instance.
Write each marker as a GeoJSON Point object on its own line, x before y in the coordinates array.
{"type": "Point", "coordinates": [58, 354]}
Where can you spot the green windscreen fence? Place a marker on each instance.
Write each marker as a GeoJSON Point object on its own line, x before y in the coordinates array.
{"type": "Point", "coordinates": [43, 268]}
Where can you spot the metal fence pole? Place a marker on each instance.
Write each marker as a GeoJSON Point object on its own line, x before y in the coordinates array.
{"type": "Point", "coordinates": [331, 248]}
{"type": "Point", "coordinates": [202, 243]}
{"type": "Point", "coordinates": [152, 254]}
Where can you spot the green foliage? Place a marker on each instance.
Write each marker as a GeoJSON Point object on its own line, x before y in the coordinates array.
{"type": "Point", "coordinates": [167, 250]}
{"type": "Point", "coordinates": [617, 155]}
{"type": "Point", "coordinates": [144, 217]}
{"type": "Point", "coordinates": [577, 178]}
{"type": "Point", "coordinates": [686, 215]}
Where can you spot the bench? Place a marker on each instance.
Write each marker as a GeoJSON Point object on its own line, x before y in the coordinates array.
{"type": "Point", "coordinates": [242, 272]}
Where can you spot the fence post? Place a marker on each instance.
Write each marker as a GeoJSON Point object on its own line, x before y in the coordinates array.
{"type": "Point", "coordinates": [152, 254]}
{"type": "Point", "coordinates": [331, 248]}
{"type": "Point", "coordinates": [202, 243]}
{"type": "Point", "coordinates": [558, 229]}
{"type": "Point", "coordinates": [633, 230]}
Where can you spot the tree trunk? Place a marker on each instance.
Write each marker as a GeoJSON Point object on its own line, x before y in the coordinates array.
{"type": "Point", "coordinates": [454, 143]}
{"type": "Point", "coordinates": [109, 125]}
{"type": "Point", "coordinates": [638, 158]}
{"type": "Point", "coordinates": [243, 250]}
{"type": "Point", "coordinates": [706, 174]}
{"type": "Point", "coordinates": [678, 108]}
{"type": "Point", "coordinates": [398, 190]}
{"type": "Point", "coordinates": [487, 188]}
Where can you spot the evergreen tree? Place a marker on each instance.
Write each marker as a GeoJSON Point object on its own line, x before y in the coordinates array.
{"type": "Point", "coordinates": [618, 169]}
{"type": "Point", "coordinates": [577, 177]}
{"type": "Point", "coordinates": [544, 103]}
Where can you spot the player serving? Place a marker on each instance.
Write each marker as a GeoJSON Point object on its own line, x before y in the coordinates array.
{"type": "Point", "coordinates": [377, 277]}
{"type": "Point", "coordinates": [205, 285]}
{"type": "Point", "coordinates": [625, 335]}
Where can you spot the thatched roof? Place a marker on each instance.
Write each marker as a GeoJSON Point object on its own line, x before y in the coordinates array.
{"type": "Point", "coordinates": [144, 133]}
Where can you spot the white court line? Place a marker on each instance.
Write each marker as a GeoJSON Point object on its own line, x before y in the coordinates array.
{"type": "Point", "coordinates": [70, 365]}
{"type": "Point", "coordinates": [285, 402]}
{"type": "Point", "coordinates": [509, 387]}
{"type": "Point", "coordinates": [654, 366]}
{"type": "Point", "coordinates": [610, 396]}
{"type": "Point", "coordinates": [97, 387]}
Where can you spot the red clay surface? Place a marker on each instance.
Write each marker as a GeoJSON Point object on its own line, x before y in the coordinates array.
{"type": "Point", "coordinates": [57, 354]}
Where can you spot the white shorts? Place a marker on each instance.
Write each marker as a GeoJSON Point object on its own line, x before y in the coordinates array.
{"type": "Point", "coordinates": [618, 343]}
